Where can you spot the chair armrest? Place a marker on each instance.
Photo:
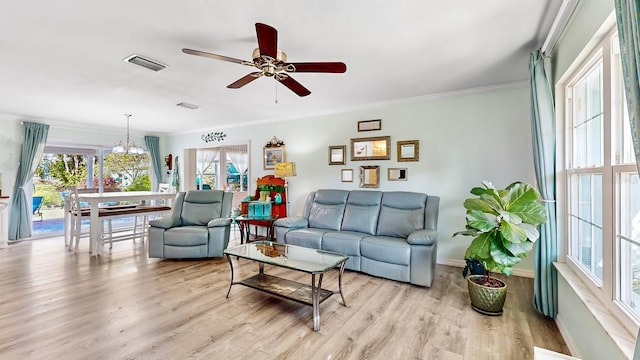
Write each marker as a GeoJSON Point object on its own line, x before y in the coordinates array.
{"type": "Point", "coordinates": [292, 222]}
{"type": "Point", "coordinates": [217, 222]}
{"type": "Point", "coordinates": [423, 237]}
{"type": "Point", "coordinates": [165, 222]}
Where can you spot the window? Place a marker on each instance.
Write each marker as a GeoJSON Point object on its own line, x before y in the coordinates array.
{"type": "Point", "coordinates": [221, 167]}
{"type": "Point", "coordinates": [602, 184]}
{"type": "Point", "coordinates": [86, 167]}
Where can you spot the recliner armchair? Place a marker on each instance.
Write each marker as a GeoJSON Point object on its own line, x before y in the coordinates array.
{"type": "Point", "coordinates": [199, 226]}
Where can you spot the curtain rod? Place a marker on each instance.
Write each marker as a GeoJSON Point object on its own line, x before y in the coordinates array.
{"type": "Point", "coordinates": [559, 24]}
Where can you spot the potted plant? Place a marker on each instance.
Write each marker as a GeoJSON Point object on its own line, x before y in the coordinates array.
{"type": "Point", "coordinates": [503, 224]}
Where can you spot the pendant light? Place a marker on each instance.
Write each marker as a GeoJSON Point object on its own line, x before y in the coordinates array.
{"type": "Point", "coordinates": [128, 147]}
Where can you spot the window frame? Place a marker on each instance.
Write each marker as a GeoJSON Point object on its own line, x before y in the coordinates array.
{"type": "Point", "coordinates": [610, 288]}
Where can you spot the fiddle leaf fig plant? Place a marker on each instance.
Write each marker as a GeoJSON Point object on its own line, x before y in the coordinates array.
{"type": "Point", "coordinates": [503, 224]}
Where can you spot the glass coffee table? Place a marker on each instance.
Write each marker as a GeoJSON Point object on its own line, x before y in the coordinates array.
{"type": "Point", "coordinates": [311, 261]}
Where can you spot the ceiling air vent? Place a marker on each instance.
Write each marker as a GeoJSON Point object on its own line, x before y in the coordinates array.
{"type": "Point", "coordinates": [188, 106]}
{"type": "Point", "coordinates": [145, 63]}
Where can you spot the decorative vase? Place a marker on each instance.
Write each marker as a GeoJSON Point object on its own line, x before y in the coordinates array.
{"type": "Point", "coordinates": [485, 299]}
{"type": "Point", "coordinates": [278, 199]}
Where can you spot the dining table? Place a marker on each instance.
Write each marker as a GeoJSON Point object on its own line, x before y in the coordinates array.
{"type": "Point", "coordinates": [98, 199]}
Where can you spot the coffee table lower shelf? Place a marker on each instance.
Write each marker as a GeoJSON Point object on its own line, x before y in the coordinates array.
{"type": "Point", "coordinates": [287, 289]}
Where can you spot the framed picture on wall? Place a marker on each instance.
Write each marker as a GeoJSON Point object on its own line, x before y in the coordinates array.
{"type": "Point", "coordinates": [336, 155]}
{"type": "Point", "coordinates": [371, 148]}
{"type": "Point", "coordinates": [408, 150]}
{"type": "Point", "coordinates": [397, 174]}
{"type": "Point", "coordinates": [346, 175]}
{"type": "Point", "coordinates": [370, 125]}
{"type": "Point", "coordinates": [272, 155]}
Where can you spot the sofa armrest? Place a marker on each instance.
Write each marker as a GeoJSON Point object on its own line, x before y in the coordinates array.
{"type": "Point", "coordinates": [217, 222]}
{"type": "Point", "coordinates": [292, 222]}
{"type": "Point", "coordinates": [165, 222]}
{"type": "Point", "coordinates": [423, 237]}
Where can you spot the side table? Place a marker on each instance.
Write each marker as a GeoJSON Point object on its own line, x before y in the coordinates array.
{"type": "Point", "coordinates": [245, 222]}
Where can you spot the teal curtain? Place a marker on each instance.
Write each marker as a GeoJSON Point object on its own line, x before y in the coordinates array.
{"type": "Point", "coordinates": [627, 16]}
{"type": "Point", "coordinates": [629, 35]}
{"type": "Point", "coordinates": [545, 292]}
{"type": "Point", "coordinates": [153, 145]}
{"type": "Point", "coordinates": [35, 137]}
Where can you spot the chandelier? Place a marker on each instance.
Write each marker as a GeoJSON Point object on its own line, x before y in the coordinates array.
{"type": "Point", "coordinates": [128, 147]}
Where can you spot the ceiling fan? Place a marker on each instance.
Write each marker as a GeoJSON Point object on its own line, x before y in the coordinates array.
{"type": "Point", "coordinates": [273, 63]}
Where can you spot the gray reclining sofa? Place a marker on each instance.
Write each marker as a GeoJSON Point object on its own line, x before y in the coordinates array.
{"type": "Point", "coordinates": [387, 234]}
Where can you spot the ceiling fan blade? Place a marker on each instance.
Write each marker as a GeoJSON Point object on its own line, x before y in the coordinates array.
{"type": "Point", "coordinates": [244, 80]}
{"type": "Point", "coordinates": [321, 67]}
{"type": "Point", "coordinates": [293, 85]}
{"type": "Point", "coordinates": [214, 56]}
{"type": "Point", "coordinates": [267, 40]}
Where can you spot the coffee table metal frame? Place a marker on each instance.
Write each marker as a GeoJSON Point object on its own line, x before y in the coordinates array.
{"type": "Point", "coordinates": [267, 252]}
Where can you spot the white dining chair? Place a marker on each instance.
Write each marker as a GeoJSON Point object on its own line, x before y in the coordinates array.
{"type": "Point", "coordinates": [77, 214]}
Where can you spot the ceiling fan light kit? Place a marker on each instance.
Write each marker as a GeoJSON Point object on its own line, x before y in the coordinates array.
{"type": "Point", "coordinates": [272, 62]}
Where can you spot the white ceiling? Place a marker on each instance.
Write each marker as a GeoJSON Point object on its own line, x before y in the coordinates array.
{"type": "Point", "coordinates": [61, 60]}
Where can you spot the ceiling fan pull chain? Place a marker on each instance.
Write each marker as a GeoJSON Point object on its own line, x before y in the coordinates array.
{"type": "Point", "coordinates": [276, 84]}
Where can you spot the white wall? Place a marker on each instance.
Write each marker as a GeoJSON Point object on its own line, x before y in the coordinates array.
{"type": "Point", "coordinates": [581, 330]}
{"type": "Point", "coordinates": [10, 142]}
{"type": "Point", "coordinates": [587, 18]}
{"type": "Point", "coordinates": [464, 138]}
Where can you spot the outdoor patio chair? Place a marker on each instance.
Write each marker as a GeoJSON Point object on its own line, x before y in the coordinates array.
{"type": "Point", "coordinates": [37, 205]}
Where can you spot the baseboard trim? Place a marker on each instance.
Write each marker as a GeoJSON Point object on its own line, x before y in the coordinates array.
{"type": "Point", "coordinates": [461, 264]}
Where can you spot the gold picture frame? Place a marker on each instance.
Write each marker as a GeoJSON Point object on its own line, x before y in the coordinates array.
{"type": "Point", "coordinates": [337, 155]}
{"type": "Point", "coordinates": [271, 156]}
{"type": "Point", "coordinates": [408, 150]}
{"type": "Point", "coordinates": [370, 125]}
{"type": "Point", "coordinates": [397, 174]}
{"type": "Point", "coordinates": [371, 148]}
{"type": "Point", "coordinates": [370, 176]}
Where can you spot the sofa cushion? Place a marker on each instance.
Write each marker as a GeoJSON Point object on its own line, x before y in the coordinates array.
{"type": "Point", "coordinates": [182, 252]}
{"type": "Point", "coordinates": [201, 206]}
{"type": "Point", "coordinates": [361, 212]}
{"type": "Point", "coordinates": [386, 270]}
{"type": "Point", "coordinates": [327, 209]}
{"type": "Point", "coordinates": [344, 242]}
{"type": "Point", "coordinates": [187, 236]}
{"type": "Point", "coordinates": [386, 249]}
{"type": "Point", "coordinates": [401, 213]}
{"type": "Point", "coordinates": [310, 237]}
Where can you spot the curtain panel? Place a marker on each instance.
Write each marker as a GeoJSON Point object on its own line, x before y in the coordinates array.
{"type": "Point", "coordinates": [175, 179]}
{"type": "Point", "coordinates": [240, 159]}
{"type": "Point", "coordinates": [205, 158]}
{"type": "Point", "coordinates": [33, 142]}
{"type": "Point", "coordinates": [629, 36]}
{"type": "Point", "coordinates": [153, 145]}
{"type": "Point", "coordinates": [545, 297]}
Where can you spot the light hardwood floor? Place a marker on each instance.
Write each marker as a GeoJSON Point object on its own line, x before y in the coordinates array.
{"type": "Point", "coordinates": [122, 305]}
